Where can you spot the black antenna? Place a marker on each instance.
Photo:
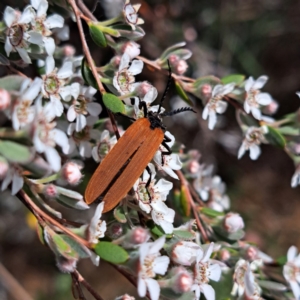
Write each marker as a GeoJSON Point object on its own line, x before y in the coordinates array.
{"type": "Point", "coordinates": [177, 111]}
{"type": "Point", "coordinates": [166, 89]}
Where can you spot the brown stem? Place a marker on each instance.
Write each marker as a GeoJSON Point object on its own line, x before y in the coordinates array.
{"type": "Point", "coordinates": [85, 10]}
{"type": "Point", "coordinates": [41, 213]}
{"type": "Point", "coordinates": [12, 285]}
{"type": "Point", "coordinates": [82, 281]}
{"type": "Point", "coordinates": [85, 46]}
{"type": "Point", "coordinates": [193, 205]}
{"type": "Point", "coordinates": [14, 70]}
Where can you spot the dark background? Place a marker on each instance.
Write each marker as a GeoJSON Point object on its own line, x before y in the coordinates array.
{"type": "Point", "coordinates": [247, 37]}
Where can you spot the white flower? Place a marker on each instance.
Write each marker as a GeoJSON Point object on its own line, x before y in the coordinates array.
{"type": "Point", "coordinates": [168, 163]}
{"type": "Point", "coordinates": [291, 270]}
{"type": "Point", "coordinates": [244, 281]}
{"type": "Point", "coordinates": [82, 139]}
{"type": "Point", "coordinates": [150, 264]}
{"type": "Point", "coordinates": [185, 253]}
{"type": "Point", "coordinates": [253, 138]}
{"type": "Point", "coordinates": [82, 106]}
{"type": "Point", "coordinates": [205, 270]}
{"type": "Point", "coordinates": [43, 25]}
{"type": "Point", "coordinates": [254, 97]}
{"type": "Point", "coordinates": [296, 177]}
{"type": "Point", "coordinates": [124, 78]}
{"type": "Point", "coordinates": [104, 145]}
{"type": "Point", "coordinates": [215, 104]}
{"type": "Point", "coordinates": [130, 14]}
{"type": "Point", "coordinates": [163, 216]}
{"type": "Point", "coordinates": [14, 175]}
{"type": "Point", "coordinates": [55, 89]}
{"type": "Point", "coordinates": [46, 137]}
{"type": "Point", "coordinates": [18, 37]}
{"type": "Point", "coordinates": [131, 48]}
{"type": "Point", "coordinates": [23, 111]}
{"type": "Point", "coordinates": [96, 227]}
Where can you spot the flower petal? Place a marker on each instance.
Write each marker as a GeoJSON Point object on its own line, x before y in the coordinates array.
{"type": "Point", "coordinates": [80, 122]}
{"type": "Point", "coordinates": [254, 152]}
{"type": "Point", "coordinates": [27, 15]}
{"type": "Point", "coordinates": [136, 67]}
{"type": "Point", "coordinates": [50, 64]}
{"type": "Point", "coordinates": [215, 272]}
{"type": "Point", "coordinates": [264, 98]}
{"type": "Point", "coordinates": [157, 245]}
{"type": "Point", "coordinates": [208, 291]}
{"type": "Point", "coordinates": [49, 45]}
{"type": "Point", "coordinates": [212, 120]}
{"type": "Point", "coordinates": [24, 55]}
{"type": "Point", "coordinates": [249, 84]}
{"type": "Point", "coordinates": [94, 109]}
{"type": "Point", "coordinates": [160, 265]}
{"type": "Point", "coordinates": [9, 16]}
{"type": "Point", "coordinates": [53, 158]}
{"type": "Point", "coordinates": [41, 8]}
{"type": "Point", "coordinates": [71, 114]}
{"type": "Point", "coordinates": [153, 288]}
{"type": "Point", "coordinates": [66, 70]}
{"type": "Point", "coordinates": [260, 82]}
{"type": "Point", "coordinates": [17, 183]}
{"type": "Point", "coordinates": [142, 288]}
{"type": "Point", "coordinates": [8, 46]}
{"type": "Point", "coordinates": [54, 21]}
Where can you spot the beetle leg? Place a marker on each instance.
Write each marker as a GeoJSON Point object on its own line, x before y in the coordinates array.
{"type": "Point", "coordinates": [168, 152]}
{"type": "Point", "coordinates": [148, 182]}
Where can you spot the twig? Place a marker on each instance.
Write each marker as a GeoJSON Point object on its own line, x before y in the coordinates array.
{"type": "Point", "coordinates": [85, 46]}
{"type": "Point", "coordinates": [12, 285]}
{"type": "Point", "coordinates": [81, 280]}
{"type": "Point", "coordinates": [85, 10]}
{"type": "Point", "coordinates": [192, 203]}
{"type": "Point", "coordinates": [14, 70]}
{"type": "Point", "coordinates": [41, 213]}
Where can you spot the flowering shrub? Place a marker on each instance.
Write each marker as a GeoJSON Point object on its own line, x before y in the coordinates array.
{"type": "Point", "coordinates": [53, 122]}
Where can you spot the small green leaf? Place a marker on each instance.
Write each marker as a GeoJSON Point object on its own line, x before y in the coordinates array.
{"type": "Point", "coordinates": [82, 251]}
{"type": "Point", "coordinates": [11, 82]}
{"type": "Point", "coordinates": [71, 202]}
{"type": "Point", "coordinates": [120, 215]}
{"type": "Point", "coordinates": [15, 152]}
{"type": "Point", "coordinates": [182, 94]}
{"type": "Point", "coordinates": [127, 32]}
{"type": "Point", "coordinates": [62, 247]}
{"type": "Point", "coordinates": [183, 235]}
{"type": "Point", "coordinates": [157, 230]}
{"type": "Point", "coordinates": [171, 49]}
{"type": "Point", "coordinates": [97, 34]}
{"type": "Point", "coordinates": [185, 204]}
{"type": "Point", "coordinates": [113, 103]}
{"type": "Point", "coordinates": [287, 130]}
{"type": "Point", "coordinates": [88, 75]}
{"type": "Point", "coordinates": [211, 212]}
{"type": "Point", "coordinates": [274, 137]}
{"type": "Point", "coordinates": [109, 30]}
{"type": "Point", "coordinates": [212, 80]}
{"type": "Point", "coordinates": [111, 252]}
{"type": "Point", "coordinates": [282, 260]}
{"type": "Point", "coordinates": [236, 78]}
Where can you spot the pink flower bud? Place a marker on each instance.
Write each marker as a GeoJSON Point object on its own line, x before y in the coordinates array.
{"type": "Point", "coordinates": [182, 281]}
{"type": "Point", "coordinates": [115, 61]}
{"type": "Point", "coordinates": [143, 89]}
{"type": "Point", "coordinates": [181, 67]}
{"type": "Point", "coordinates": [206, 90]}
{"type": "Point", "coordinates": [251, 253]}
{"type": "Point", "coordinates": [5, 99]}
{"type": "Point", "coordinates": [50, 191]}
{"type": "Point", "coordinates": [3, 168]}
{"type": "Point", "coordinates": [131, 48]}
{"type": "Point", "coordinates": [125, 297]}
{"type": "Point", "coordinates": [233, 222]}
{"type": "Point", "coordinates": [193, 166]}
{"type": "Point", "coordinates": [66, 265]}
{"type": "Point", "coordinates": [69, 50]}
{"type": "Point", "coordinates": [138, 236]}
{"type": "Point", "coordinates": [173, 59]}
{"type": "Point", "coordinates": [71, 172]}
{"type": "Point", "coordinates": [224, 255]}
{"type": "Point", "coordinates": [271, 108]}
{"type": "Point", "coordinates": [297, 148]}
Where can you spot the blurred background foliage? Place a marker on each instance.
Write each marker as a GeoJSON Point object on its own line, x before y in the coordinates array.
{"type": "Point", "coordinates": [253, 37]}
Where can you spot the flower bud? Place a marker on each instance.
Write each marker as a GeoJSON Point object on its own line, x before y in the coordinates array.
{"type": "Point", "coordinates": [185, 253]}
{"type": "Point", "coordinates": [224, 255]}
{"type": "Point", "coordinates": [251, 253]}
{"type": "Point", "coordinates": [193, 167]}
{"type": "Point", "coordinates": [143, 89]}
{"type": "Point", "coordinates": [132, 49]}
{"type": "Point", "coordinates": [115, 230]}
{"type": "Point", "coordinates": [5, 99]}
{"type": "Point", "coordinates": [50, 191]}
{"type": "Point", "coordinates": [206, 90]}
{"type": "Point", "coordinates": [115, 61]}
{"type": "Point", "coordinates": [271, 108]}
{"type": "Point", "coordinates": [125, 297]}
{"type": "Point", "coordinates": [138, 236]}
{"type": "Point", "coordinates": [182, 280]}
{"type": "Point", "coordinates": [173, 59]}
{"type": "Point", "coordinates": [233, 222]}
{"type": "Point", "coordinates": [69, 50]}
{"type": "Point", "coordinates": [66, 265]}
{"type": "Point", "coordinates": [71, 172]}
{"type": "Point", "coordinates": [3, 168]}
{"type": "Point", "coordinates": [181, 67]}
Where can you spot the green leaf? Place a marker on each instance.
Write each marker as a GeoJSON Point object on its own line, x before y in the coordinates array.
{"type": "Point", "coordinates": [11, 82]}
{"type": "Point", "coordinates": [62, 247]}
{"type": "Point", "coordinates": [111, 252]}
{"type": "Point", "coordinates": [127, 32]}
{"type": "Point", "coordinates": [113, 103]}
{"type": "Point", "coordinates": [88, 75]}
{"type": "Point", "coordinates": [15, 152]}
{"type": "Point", "coordinates": [185, 204]}
{"type": "Point", "coordinates": [235, 236]}
{"type": "Point", "coordinates": [109, 30]}
{"type": "Point", "coordinates": [287, 130]}
{"type": "Point", "coordinates": [274, 137]}
{"type": "Point", "coordinates": [183, 234]}
{"type": "Point", "coordinates": [182, 94]}
{"type": "Point", "coordinates": [71, 202]}
{"type": "Point", "coordinates": [211, 212]}
{"type": "Point", "coordinates": [120, 215]}
{"type": "Point", "coordinates": [171, 49]}
{"type": "Point", "coordinates": [236, 78]}
{"type": "Point", "coordinates": [97, 34]}
{"type": "Point", "coordinates": [282, 260]}
{"type": "Point", "coordinates": [157, 230]}
{"type": "Point", "coordinates": [212, 80]}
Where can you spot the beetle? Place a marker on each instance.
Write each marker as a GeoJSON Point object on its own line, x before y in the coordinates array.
{"type": "Point", "coordinates": [127, 160]}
